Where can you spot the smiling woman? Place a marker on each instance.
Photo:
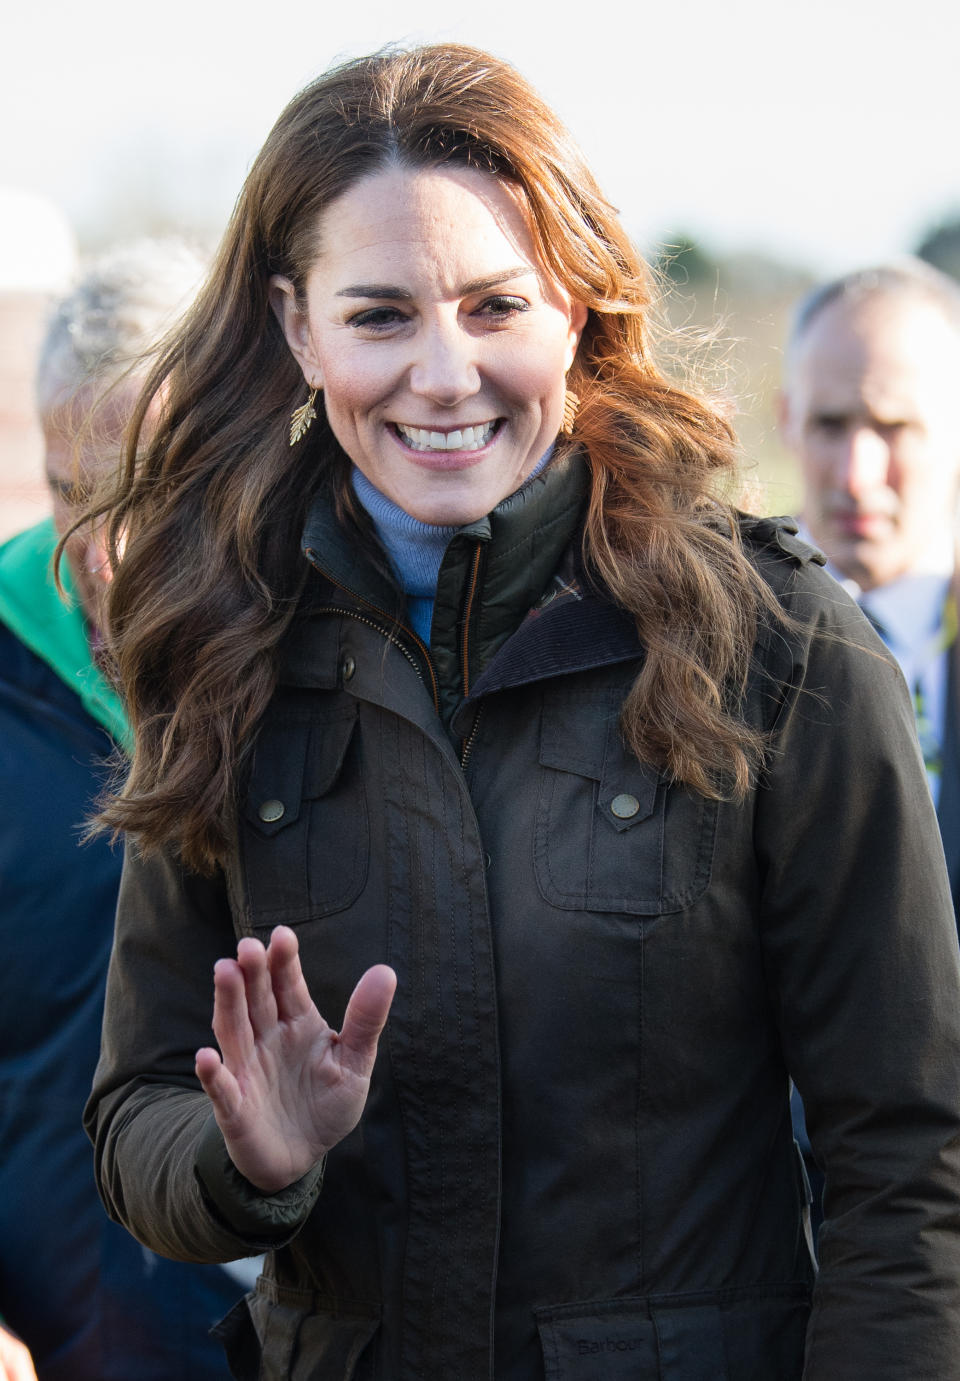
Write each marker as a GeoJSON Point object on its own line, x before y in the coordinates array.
{"type": "Point", "coordinates": [450, 667]}
{"type": "Point", "coordinates": [440, 343]}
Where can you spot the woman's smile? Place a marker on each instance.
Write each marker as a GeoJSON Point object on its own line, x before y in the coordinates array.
{"type": "Point", "coordinates": [440, 342]}
{"type": "Point", "coordinates": [467, 438]}
{"type": "Point", "coordinates": [448, 449]}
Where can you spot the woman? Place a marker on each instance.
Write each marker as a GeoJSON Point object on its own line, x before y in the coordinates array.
{"type": "Point", "coordinates": [480, 688]}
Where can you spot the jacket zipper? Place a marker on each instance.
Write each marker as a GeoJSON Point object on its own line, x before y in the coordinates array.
{"type": "Point", "coordinates": [467, 612]}
{"type": "Point", "coordinates": [467, 745]}
{"type": "Point", "coordinates": [471, 738]}
{"type": "Point", "coordinates": [360, 618]}
{"type": "Point", "coordinates": [390, 637]}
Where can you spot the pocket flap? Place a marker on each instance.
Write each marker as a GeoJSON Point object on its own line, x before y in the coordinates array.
{"type": "Point", "coordinates": [580, 734]}
{"type": "Point", "coordinates": [303, 1339]}
{"type": "Point", "coordinates": [239, 1338]}
{"type": "Point", "coordinates": [326, 750]}
{"type": "Point", "coordinates": [573, 732]}
{"type": "Point", "coordinates": [612, 1340]}
{"type": "Point", "coordinates": [628, 793]}
{"type": "Point", "coordinates": [295, 761]}
{"type": "Point", "coordinates": [640, 1339]}
{"type": "Point", "coordinates": [690, 1342]}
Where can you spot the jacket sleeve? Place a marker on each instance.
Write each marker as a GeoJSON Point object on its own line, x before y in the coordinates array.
{"type": "Point", "coordinates": [862, 960]}
{"type": "Point", "coordinates": [161, 1163]}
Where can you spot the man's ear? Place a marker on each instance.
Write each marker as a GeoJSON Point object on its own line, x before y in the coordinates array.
{"type": "Point", "coordinates": [296, 329]}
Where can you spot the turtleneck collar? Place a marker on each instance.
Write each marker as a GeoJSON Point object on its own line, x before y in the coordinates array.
{"type": "Point", "coordinates": [416, 549]}
{"type": "Point", "coordinates": [491, 573]}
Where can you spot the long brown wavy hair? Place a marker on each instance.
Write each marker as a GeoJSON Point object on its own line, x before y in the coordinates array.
{"type": "Point", "coordinates": [210, 501]}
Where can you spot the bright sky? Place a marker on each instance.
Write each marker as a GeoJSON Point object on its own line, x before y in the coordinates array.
{"type": "Point", "coordinates": [824, 131]}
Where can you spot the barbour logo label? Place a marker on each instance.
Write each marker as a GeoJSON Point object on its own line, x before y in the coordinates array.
{"type": "Point", "coordinates": [616, 1341]}
{"type": "Point", "coordinates": [588, 1347]}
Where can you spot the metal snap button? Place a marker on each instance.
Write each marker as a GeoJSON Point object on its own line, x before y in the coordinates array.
{"type": "Point", "coordinates": [624, 806]}
{"type": "Point", "coordinates": [347, 667]}
{"type": "Point", "coordinates": [271, 811]}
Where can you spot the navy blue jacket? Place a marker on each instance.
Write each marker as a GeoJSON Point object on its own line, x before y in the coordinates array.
{"type": "Point", "coordinates": [90, 1302]}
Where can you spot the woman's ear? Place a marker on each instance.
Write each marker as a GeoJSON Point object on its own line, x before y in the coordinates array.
{"type": "Point", "coordinates": [296, 329]}
{"type": "Point", "coordinates": [578, 319]}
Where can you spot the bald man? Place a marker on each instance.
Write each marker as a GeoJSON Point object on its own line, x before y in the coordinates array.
{"type": "Point", "coordinates": [871, 408]}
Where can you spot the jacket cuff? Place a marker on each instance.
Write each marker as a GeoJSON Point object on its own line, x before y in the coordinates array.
{"type": "Point", "coordinates": [267, 1219]}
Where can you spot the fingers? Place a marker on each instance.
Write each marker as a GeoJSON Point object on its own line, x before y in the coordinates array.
{"type": "Point", "coordinates": [255, 991]}
{"type": "Point", "coordinates": [265, 987]}
{"type": "Point", "coordinates": [218, 1083]}
{"type": "Point", "coordinates": [261, 1004]}
{"type": "Point", "coordinates": [366, 1016]}
{"type": "Point", "coordinates": [290, 990]}
{"type": "Point", "coordinates": [231, 1020]}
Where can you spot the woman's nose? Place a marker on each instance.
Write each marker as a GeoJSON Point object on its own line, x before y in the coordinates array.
{"type": "Point", "coordinates": [445, 369]}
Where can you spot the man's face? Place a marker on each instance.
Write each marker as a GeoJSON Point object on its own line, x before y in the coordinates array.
{"type": "Point", "coordinates": [80, 445]}
{"type": "Point", "coordinates": [871, 410]}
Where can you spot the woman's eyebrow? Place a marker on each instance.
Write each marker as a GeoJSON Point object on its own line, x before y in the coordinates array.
{"type": "Point", "coordinates": [381, 290]}
{"type": "Point", "coordinates": [391, 293]}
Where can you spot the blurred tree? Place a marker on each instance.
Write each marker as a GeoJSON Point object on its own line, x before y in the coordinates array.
{"type": "Point", "coordinates": [729, 314]}
{"type": "Point", "coordinates": [940, 246]}
{"type": "Point", "coordinates": [684, 261]}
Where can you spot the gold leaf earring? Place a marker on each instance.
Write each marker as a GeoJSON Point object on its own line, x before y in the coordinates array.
{"type": "Point", "coordinates": [570, 405]}
{"type": "Point", "coordinates": [301, 418]}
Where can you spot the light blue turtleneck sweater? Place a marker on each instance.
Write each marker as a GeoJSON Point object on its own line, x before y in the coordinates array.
{"type": "Point", "coordinates": [415, 549]}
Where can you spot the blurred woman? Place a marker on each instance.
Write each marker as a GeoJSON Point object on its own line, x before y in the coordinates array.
{"type": "Point", "coordinates": [452, 671]}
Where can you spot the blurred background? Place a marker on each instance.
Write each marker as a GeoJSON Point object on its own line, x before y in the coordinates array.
{"type": "Point", "coordinates": [750, 147]}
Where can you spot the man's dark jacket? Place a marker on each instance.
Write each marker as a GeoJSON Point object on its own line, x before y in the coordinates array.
{"type": "Point", "coordinates": [90, 1302]}
{"type": "Point", "coordinates": [576, 1160]}
{"type": "Point", "coordinates": [948, 804]}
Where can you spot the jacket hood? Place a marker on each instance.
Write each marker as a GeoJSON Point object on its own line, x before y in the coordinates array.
{"type": "Point", "coordinates": [54, 629]}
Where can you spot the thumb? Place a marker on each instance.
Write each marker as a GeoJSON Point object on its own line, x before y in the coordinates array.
{"type": "Point", "coordinates": [366, 1016]}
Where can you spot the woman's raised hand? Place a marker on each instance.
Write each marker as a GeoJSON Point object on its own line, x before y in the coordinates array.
{"type": "Point", "coordinates": [287, 1087]}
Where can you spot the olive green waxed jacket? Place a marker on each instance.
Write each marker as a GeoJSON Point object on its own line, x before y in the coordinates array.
{"type": "Point", "coordinates": [576, 1160]}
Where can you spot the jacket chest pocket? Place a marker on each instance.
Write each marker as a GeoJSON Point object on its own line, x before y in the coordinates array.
{"type": "Point", "coordinates": [305, 827]}
{"type": "Point", "coordinates": [611, 835]}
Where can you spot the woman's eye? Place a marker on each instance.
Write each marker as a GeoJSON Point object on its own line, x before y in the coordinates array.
{"type": "Point", "coordinates": [377, 318]}
{"type": "Point", "coordinates": [500, 308]}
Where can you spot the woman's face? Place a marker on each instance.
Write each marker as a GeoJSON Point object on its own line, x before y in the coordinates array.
{"type": "Point", "coordinates": [439, 341]}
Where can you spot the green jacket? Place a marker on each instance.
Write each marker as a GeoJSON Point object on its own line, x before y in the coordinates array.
{"type": "Point", "coordinates": [576, 1160]}
{"type": "Point", "coordinates": [53, 627]}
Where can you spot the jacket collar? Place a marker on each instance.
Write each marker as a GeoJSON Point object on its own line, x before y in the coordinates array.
{"type": "Point", "coordinates": [342, 553]}
{"type": "Point", "coordinates": [493, 571]}
{"type": "Point", "coordinates": [496, 570]}
{"type": "Point", "coordinates": [537, 521]}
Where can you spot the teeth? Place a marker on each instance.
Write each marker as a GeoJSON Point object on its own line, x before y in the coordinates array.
{"type": "Point", "coordinates": [463, 439]}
